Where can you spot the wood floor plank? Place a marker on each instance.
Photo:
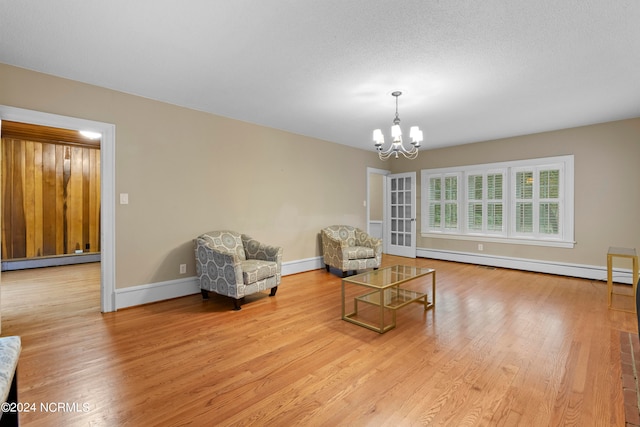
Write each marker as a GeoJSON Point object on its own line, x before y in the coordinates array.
{"type": "Point", "coordinates": [501, 348]}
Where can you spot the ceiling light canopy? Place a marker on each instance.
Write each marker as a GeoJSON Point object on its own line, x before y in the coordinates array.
{"type": "Point", "coordinates": [397, 146]}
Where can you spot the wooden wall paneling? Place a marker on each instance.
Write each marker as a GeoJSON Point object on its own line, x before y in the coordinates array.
{"type": "Point", "coordinates": [27, 196]}
{"type": "Point", "coordinates": [94, 200]}
{"type": "Point", "coordinates": [5, 198]}
{"type": "Point", "coordinates": [86, 195]}
{"type": "Point", "coordinates": [39, 214]}
{"type": "Point", "coordinates": [32, 199]}
{"type": "Point", "coordinates": [49, 200]}
{"type": "Point", "coordinates": [74, 202]}
{"type": "Point", "coordinates": [60, 195]}
{"type": "Point", "coordinates": [17, 218]}
{"type": "Point", "coordinates": [7, 173]}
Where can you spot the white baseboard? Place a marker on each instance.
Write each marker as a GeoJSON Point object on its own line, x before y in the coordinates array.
{"type": "Point", "coordinates": [302, 265]}
{"type": "Point", "coordinates": [154, 292]}
{"type": "Point", "coordinates": [594, 272]}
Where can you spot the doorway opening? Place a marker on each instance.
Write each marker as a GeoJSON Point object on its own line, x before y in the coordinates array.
{"type": "Point", "coordinates": [107, 186]}
{"type": "Point", "coordinates": [376, 200]}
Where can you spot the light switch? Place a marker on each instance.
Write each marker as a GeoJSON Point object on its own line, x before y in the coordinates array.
{"type": "Point", "coordinates": [124, 198]}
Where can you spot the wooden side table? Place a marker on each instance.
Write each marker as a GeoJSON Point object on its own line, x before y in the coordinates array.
{"type": "Point", "coordinates": [621, 253]}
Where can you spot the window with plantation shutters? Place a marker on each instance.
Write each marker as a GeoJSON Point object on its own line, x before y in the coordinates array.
{"type": "Point", "coordinates": [443, 202]}
{"type": "Point", "coordinates": [495, 202]}
{"type": "Point", "coordinates": [475, 202]}
{"type": "Point", "coordinates": [485, 203]}
{"type": "Point", "coordinates": [549, 205]}
{"type": "Point", "coordinates": [525, 201]}
{"type": "Point", "coordinates": [538, 203]}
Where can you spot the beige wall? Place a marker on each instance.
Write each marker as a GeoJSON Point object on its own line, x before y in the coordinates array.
{"type": "Point", "coordinates": [184, 176]}
{"type": "Point", "coordinates": [375, 196]}
{"type": "Point", "coordinates": [607, 187]}
{"type": "Point", "coordinates": [188, 172]}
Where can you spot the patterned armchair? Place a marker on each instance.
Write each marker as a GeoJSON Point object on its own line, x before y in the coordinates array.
{"type": "Point", "coordinates": [235, 265]}
{"type": "Point", "coordinates": [349, 248]}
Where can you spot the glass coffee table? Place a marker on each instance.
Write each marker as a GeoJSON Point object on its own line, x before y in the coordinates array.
{"type": "Point", "coordinates": [386, 290]}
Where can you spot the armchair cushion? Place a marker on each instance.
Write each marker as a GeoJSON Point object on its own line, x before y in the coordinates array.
{"type": "Point", "coordinates": [254, 270]}
{"type": "Point", "coordinates": [358, 252]}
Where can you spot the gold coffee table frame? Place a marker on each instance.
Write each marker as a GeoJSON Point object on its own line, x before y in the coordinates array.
{"type": "Point", "coordinates": [386, 293]}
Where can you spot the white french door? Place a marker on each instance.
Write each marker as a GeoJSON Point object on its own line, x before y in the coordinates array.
{"type": "Point", "coordinates": [400, 218]}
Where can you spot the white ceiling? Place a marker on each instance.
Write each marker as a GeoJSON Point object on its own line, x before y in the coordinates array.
{"type": "Point", "coordinates": [470, 70]}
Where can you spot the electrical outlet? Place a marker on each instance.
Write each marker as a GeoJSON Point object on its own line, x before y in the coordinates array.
{"type": "Point", "coordinates": [480, 247]}
{"type": "Point", "coordinates": [183, 268]}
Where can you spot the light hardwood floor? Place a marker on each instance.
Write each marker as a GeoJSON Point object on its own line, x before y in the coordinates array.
{"type": "Point", "coordinates": [501, 348]}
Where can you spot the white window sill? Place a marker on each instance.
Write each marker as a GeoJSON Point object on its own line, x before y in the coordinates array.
{"type": "Point", "coordinates": [555, 243]}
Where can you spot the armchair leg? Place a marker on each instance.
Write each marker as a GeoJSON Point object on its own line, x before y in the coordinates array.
{"type": "Point", "coordinates": [236, 304]}
{"type": "Point", "coordinates": [273, 291]}
{"type": "Point", "coordinates": [344, 274]}
{"type": "Point", "coordinates": [326, 266]}
{"type": "Point", "coordinates": [205, 294]}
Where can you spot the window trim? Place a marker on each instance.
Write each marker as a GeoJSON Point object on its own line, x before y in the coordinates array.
{"type": "Point", "coordinates": [566, 237]}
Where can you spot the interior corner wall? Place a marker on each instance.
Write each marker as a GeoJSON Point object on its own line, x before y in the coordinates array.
{"type": "Point", "coordinates": [607, 188]}
{"type": "Point", "coordinates": [187, 172]}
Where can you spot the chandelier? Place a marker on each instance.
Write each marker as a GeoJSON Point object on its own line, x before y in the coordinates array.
{"type": "Point", "coordinates": [396, 146]}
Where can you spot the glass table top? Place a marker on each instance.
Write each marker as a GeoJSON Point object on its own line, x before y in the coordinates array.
{"type": "Point", "coordinates": [388, 276]}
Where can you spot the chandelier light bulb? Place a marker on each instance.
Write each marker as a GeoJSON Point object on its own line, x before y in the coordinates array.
{"type": "Point", "coordinates": [378, 137]}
